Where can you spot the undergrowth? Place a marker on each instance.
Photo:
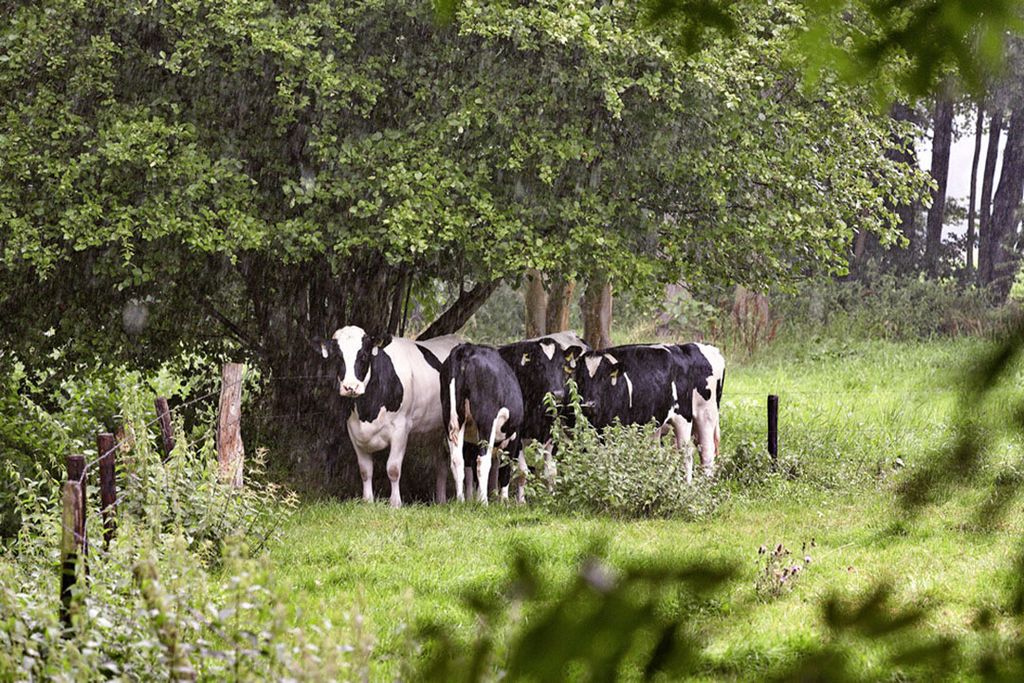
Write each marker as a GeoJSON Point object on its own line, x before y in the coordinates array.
{"type": "Point", "coordinates": [182, 591]}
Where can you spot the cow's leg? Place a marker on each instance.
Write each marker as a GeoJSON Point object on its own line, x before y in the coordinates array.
{"type": "Point", "coordinates": [484, 462]}
{"type": "Point", "coordinates": [365, 461]}
{"type": "Point", "coordinates": [521, 479]}
{"type": "Point", "coordinates": [683, 429]}
{"type": "Point", "coordinates": [395, 457]}
{"type": "Point", "coordinates": [457, 463]}
{"type": "Point", "coordinates": [707, 438]}
{"type": "Point", "coordinates": [550, 468]}
{"type": "Point", "coordinates": [492, 480]}
{"type": "Point", "coordinates": [504, 479]}
{"type": "Point", "coordinates": [441, 481]}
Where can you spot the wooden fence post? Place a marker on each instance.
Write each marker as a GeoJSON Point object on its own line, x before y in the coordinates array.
{"type": "Point", "coordinates": [230, 450]}
{"type": "Point", "coordinates": [773, 427]}
{"type": "Point", "coordinates": [72, 544]}
{"type": "Point", "coordinates": [107, 448]}
{"type": "Point", "coordinates": [76, 473]}
{"type": "Point", "coordinates": [163, 413]}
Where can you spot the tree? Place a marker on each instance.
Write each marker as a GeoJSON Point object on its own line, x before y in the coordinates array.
{"type": "Point", "coordinates": [995, 131]}
{"type": "Point", "coordinates": [978, 130]}
{"type": "Point", "coordinates": [1006, 206]}
{"type": "Point", "coordinates": [246, 175]}
{"type": "Point", "coordinates": [941, 145]}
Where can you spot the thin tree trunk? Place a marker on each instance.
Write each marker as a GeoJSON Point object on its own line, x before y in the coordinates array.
{"type": "Point", "coordinates": [978, 130]}
{"type": "Point", "coordinates": [468, 303]}
{"type": "Point", "coordinates": [536, 300]}
{"type": "Point", "coordinates": [597, 313]}
{"type": "Point", "coordinates": [995, 130]}
{"type": "Point", "coordinates": [941, 143]}
{"type": "Point", "coordinates": [559, 301]}
{"type": "Point", "coordinates": [1006, 205]}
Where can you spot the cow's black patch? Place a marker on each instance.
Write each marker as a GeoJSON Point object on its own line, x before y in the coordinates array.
{"type": "Point", "coordinates": [384, 390]}
{"type": "Point", "coordinates": [429, 356]}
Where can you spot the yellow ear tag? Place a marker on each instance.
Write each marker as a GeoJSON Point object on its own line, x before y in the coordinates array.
{"type": "Point", "coordinates": [525, 360]}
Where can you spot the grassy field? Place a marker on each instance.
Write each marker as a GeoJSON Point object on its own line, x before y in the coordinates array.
{"type": "Point", "coordinates": [855, 420]}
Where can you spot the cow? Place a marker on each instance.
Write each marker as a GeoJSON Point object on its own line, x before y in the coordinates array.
{"type": "Point", "coordinates": [389, 387]}
{"type": "Point", "coordinates": [481, 402]}
{"type": "Point", "coordinates": [678, 387]}
{"type": "Point", "coordinates": [541, 366]}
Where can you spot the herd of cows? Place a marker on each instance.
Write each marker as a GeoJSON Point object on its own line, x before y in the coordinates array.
{"type": "Point", "coordinates": [489, 401]}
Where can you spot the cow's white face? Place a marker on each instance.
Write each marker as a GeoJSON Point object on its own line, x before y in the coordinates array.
{"type": "Point", "coordinates": [355, 350]}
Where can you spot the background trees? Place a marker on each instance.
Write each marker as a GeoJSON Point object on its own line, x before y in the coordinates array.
{"type": "Point", "coordinates": [254, 173]}
{"type": "Point", "coordinates": [236, 177]}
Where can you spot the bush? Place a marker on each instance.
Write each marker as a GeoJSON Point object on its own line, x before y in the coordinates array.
{"type": "Point", "coordinates": [884, 305]}
{"type": "Point", "coordinates": [180, 588]}
{"type": "Point", "coordinates": [624, 471]}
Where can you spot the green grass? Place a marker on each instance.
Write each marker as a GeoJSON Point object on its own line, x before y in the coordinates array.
{"type": "Point", "coordinates": [849, 411]}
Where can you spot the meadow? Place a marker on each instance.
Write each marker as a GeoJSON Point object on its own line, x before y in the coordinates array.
{"type": "Point", "coordinates": [857, 419]}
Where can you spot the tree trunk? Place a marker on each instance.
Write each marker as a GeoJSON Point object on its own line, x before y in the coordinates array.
{"type": "Point", "coordinates": [597, 313]}
{"type": "Point", "coordinates": [536, 300]}
{"type": "Point", "coordinates": [1006, 206]}
{"type": "Point", "coordinates": [995, 130]}
{"type": "Point", "coordinates": [459, 313]}
{"type": "Point", "coordinates": [941, 143]}
{"type": "Point", "coordinates": [559, 302]}
{"type": "Point", "coordinates": [902, 151]}
{"type": "Point", "coordinates": [969, 249]}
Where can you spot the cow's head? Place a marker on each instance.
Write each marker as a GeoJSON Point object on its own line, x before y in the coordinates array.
{"type": "Point", "coordinates": [595, 373]}
{"type": "Point", "coordinates": [352, 351]}
{"type": "Point", "coordinates": [550, 364]}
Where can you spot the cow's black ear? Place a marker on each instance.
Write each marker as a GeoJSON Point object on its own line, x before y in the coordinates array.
{"type": "Point", "coordinates": [382, 341]}
{"type": "Point", "coordinates": [321, 347]}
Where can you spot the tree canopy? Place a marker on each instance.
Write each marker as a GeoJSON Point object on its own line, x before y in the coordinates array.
{"type": "Point", "coordinates": [260, 172]}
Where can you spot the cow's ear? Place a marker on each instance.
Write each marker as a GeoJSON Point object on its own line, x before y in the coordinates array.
{"type": "Point", "coordinates": [321, 347]}
{"type": "Point", "coordinates": [380, 342]}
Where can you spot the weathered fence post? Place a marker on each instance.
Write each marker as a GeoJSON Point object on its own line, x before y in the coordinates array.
{"type": "Point", "coordinates": [163, 413]}
{"type": "Point", "coordinates": [107, 448]}
{"type": "Point", "coordinates": [76, 473]}
{"type": "Point", "coordinates": [230, 450]}
{"type": "Point", "coordinates": [72, 544]}
{"type": "Point", "coordinates": [773, 427]}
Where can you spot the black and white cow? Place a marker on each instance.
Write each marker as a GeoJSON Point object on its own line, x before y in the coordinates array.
{"type": "Point", "coordinates": [482, 404]}
{"type": "Point", "coordinates": [390, 387]}
{"type": "Point", "coordinates": [541, 366]}
{"type": "Point", "coordinates": [678, 387]}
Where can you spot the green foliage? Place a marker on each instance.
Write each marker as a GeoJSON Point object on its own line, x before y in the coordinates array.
{"type": "Point", "coordinates": [179, 589]}
{"type": "Point", "coordinates": [898, 48]}
{"type": "Point", "coordinates": [883, 305]}
{"type": "Point", "coordinates": [231, 176]}
{"type": "Point", "coordinates": [625, 471]}
{"type": "Point", "coordinates": [603, 623]}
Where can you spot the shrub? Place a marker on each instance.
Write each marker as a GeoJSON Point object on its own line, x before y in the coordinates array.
{"type": "Point", "coordinates": [884, 305]}
{"type": "Point", "coordinates": [624, 471]}
{"type": "Point", "coordinates": [181, 588]}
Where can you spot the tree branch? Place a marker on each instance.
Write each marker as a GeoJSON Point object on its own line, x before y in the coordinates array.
{"type": "Point", "coordinates": [460, 312]}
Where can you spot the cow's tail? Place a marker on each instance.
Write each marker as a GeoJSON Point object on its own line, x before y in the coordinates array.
{"type": "Point", "coordinates": [453, 411]}
{"type": "Point", "coordinates": [721, 385]}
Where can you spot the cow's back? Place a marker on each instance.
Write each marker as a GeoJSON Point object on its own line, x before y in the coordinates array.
{"type": "Point", "coordinates": [418, 365]}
